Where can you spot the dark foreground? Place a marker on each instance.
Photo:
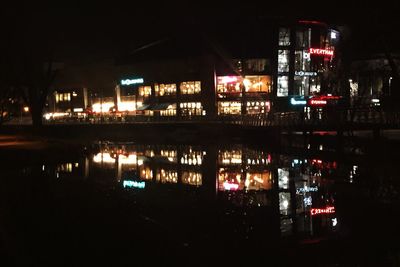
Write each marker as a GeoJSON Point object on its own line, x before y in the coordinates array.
{"type": "Point", "coordinates": [197, 205]}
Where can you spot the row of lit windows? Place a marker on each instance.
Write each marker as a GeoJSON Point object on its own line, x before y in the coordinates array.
{"type": "Point", "coordinates": [62, 97]}
{"type": "Point", "coordinates": [190, 87]}
{"type": "Point", "coordinates": [235, 107]}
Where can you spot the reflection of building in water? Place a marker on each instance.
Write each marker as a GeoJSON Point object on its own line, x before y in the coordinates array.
{"type": "Point", "coordinates": [306, 185]}
{"type": "Point", "coordinates": [192, 178]}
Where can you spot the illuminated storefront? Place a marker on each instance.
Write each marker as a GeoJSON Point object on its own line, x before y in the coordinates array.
{"type": "Point", "coordinates": [229, 108]}
{"type": "Point", "coordinates": [190, 88]}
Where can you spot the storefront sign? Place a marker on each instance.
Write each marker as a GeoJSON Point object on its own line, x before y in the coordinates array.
{"type": "Point", "coordinates": [132, 81]}
{"type": "Point", "coordinates": [327, 210]}
{"type": "Point", "coordinates": [321, 52]}
{"type": "Point", "coordinates": [134, 184]}
{"type": "Point", "coordinates": [298, 102]}
{"type": "Point", "coordinates": [305, 73]}
{"type": "Point", "coordinates": [317, 102]}
{"type": "Point", "coordinates": [306, 189]}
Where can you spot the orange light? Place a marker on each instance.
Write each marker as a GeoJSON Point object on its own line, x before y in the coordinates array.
{"type": "Point", "coordinates": [26, 109]}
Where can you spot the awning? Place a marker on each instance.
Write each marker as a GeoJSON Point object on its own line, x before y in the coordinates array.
{"type": "Point", "coordinates": [143, 107]}
{"type": "Point", "coordinates": [161, 106]}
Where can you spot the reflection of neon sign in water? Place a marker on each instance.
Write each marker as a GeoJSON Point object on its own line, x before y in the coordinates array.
{"type": "Point", "coordinates": [327, 210]}
{"type": "Point", "coordinates": [306, 189]}
{"type": "Point", "coordinates": [230, 186]}
{"type": "Point", "coordinates": [134, 184]}
{"type": "Point", "coordinates": [229, 79]}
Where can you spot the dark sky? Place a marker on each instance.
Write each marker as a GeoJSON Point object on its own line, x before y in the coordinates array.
{"type": "Point", "coordinates": [115, 26]}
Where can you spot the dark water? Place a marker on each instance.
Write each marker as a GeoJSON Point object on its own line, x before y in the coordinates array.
{"type": "Point", "coordinates": [198, 205]}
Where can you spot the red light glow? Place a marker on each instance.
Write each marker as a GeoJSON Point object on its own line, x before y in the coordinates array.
{"type": "Point", "coordinates": [327, 210]}
{"type": "Point", "coordinates": [318, 102]}
{"type": "Point", "coordinates": [321, 52]}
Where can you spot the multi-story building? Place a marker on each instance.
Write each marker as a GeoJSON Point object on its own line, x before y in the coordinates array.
{"type": "Point", "coordinates": [226, 73]}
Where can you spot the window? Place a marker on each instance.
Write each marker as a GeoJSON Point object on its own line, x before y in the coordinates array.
{"type": "Point", "coordinates": [229, 108]}
{"type": "Point", "coordinates": [256, 64]}
{"type": "Point", "coordinates": [145, 91]}
{"type": "Point", "coordinates": [283, 86]}
{"type": "Point", "coordinates": [257, 84]}
{"type": "Point", "coordinates": [302, 60]}
{"type": "Point", "coordinates": [191, 109]}
{"type": "Point", "coordinates": [229, 84]}
{"type": "Point", "coordinates": [190, 88]}
{"type": "Point", "coordinates": [192, 178]}
{"type": "Point", "coordinates": [283, 60]}
{"type": "Point", "coordinates": [303, 38]}
{"type": "Point", "coordinates": [57, 97]}
{"type": "Point", "coordinates": [170, 111]}
{"type": "Point", "coordinates": [165, 89]}
{"type": "Point", "coordinates": [284, 36]}
{"type": "Point", "coordinates": [257, 107]}
{"type": "Point", "coordinates": [301, 85]}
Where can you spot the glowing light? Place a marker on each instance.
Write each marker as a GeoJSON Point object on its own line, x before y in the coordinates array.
{"type": "Point", "coordinates": [327, 210]}
{"type": "Point", "coordinates": [317, 102]}
{"type": "Point", "coordinates": [134, 184]}
{"type": "Point", "coordinates": [103, 157]}
{"type": "Point", "coordinates": [334, 222]}
{"type": "Point", "coordinates": [229, 79]}
{"type": "Point", "coordinates": [306, 189]}
{"type": "Point", "coordinates": [78, 109]}
{"type": "Point", "coordinates": [130, 159]}
{"type": "Point", "coordinates": [132, 81]}
{"type": "Point", "coordinates": [48, 116]}
{"type": "Point", "coordinates": [126, 106]}
{"type": "Point", "coordinates": [295, 102]}
{"type": "Point", "coordinates": [375, 100]}
{"type": "Point", "coordinates": [333, 35]}
{"type": "Point", "coordinates": [321, 52]}
{"type": "Point", "coordinates": [26, 109]}
{"type": "Point", "coordinates": [230, 186]}
{"type": "Point", "coordinates": [104, 107]}
{"type": "Point", "coordinates": [305, 73]}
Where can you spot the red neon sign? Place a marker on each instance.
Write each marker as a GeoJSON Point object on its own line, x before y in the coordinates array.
{"type": "Point", "coordinates": [321, 52]}
{"type": "Point", "coordinates": [327, 210]}
{"type": "Point", "coordinates": [317, 102]}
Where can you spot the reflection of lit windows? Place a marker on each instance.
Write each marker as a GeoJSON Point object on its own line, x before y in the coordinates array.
{"type": "Point", "coordinates": [66, 167]}
{"type": "Point", "coordinates": [171, 155]}
{"type": "Point", "coordinates": [258, 181]}
{"type": "Point", "coordinates": [229, 108]}
{"type": "Point", "coordinates": [283, 178]}
{"type": "Point", "coordinates": [190, 87]}
{"type": "Point", "coordinates": [284, 36]}
{"type": "Point", "coordinates": [229, 180]}
{"type": "Point", "coordinates": [284, 203]}
{"type": "Point", "coordinates": [283, 86]}
{"type": "Point", "coordinates": [192, 157]}
{"type": "Point", "coordinates": [145, 173]}
{"type": "Point", "coordinates": [167, 176]}
{"type": "Point", "coordinates": [192, 178]}
{"type": "Point", "coordinates": [283, 60]}
{"type": "Point", "coordinates": [229, 157]}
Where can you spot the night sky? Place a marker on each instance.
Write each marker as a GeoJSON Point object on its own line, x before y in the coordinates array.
{"type": "Point", "coordinates": [116, 27]}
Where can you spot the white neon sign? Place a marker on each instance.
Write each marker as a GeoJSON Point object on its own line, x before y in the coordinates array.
{"type": "Point", "coordinates": [132, 81]}
{"type": "Point", "coordinates": [294, 101]}
{"type": "Point", "coordinates": [305, 73]}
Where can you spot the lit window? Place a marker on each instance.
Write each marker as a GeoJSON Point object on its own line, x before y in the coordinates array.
{"type": "Point", "coordinates": [284, 36]}
{"type": "Point", "coordinates": [283, 60]}
{"type": "Point", "coordinates": [283, 86]}
{"type": "Point", "coordinates": [190, 87]}
{"type": "Point", "coordinates": [229, 108]}
{"type": "Point", "coordinates": [257, 83]}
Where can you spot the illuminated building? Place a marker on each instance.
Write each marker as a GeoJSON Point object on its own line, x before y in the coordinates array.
{"type": "Point", "coordinates": [191, 77]}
